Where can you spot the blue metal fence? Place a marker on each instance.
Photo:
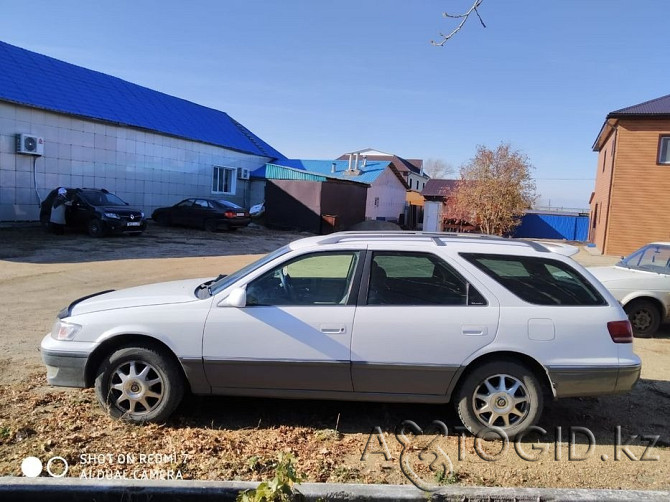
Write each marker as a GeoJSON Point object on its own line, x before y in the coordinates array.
{"type": "Point", "coordinates": [554, 226]}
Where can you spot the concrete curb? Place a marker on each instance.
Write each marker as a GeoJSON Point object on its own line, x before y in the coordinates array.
{"type": "Point", "coordinates": [76, 490]}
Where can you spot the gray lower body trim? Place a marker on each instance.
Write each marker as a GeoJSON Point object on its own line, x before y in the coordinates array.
{"type": "Point", "coordinates": [278, 374]}
{"type": "Point", "coordinates": [401, 378]}
{"type": "Point", "coordinates": [65, 369]}
{"type": "Point", "coordinates": [589, 381]}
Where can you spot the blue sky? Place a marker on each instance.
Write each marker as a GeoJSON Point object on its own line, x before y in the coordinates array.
{"type": "Point", "coordinates": [316, 79]}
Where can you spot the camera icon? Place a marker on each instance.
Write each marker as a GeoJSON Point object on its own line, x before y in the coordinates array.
{"type": "Point", "coordinates": [56, 467]}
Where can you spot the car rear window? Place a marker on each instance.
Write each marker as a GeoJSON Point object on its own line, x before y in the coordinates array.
{"type": "Point", "coordinates": [540, 281]}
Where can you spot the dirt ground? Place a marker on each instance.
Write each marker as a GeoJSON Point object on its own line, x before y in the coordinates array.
{"type": "Point", "coordinates": [583, 442]}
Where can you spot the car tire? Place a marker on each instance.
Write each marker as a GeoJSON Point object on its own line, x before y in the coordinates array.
{"type": "Point", "coordinates": [139, 384]}
{"type": "Point", "coordinates": [644, 317]}
{"type": "Point", "coordinates": [508, 387]}
{"type": "Point", "coordinates": [95, 228]}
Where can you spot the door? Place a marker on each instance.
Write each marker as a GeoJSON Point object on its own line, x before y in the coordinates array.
{"type": "Point", "coordinates": [294, 332]}
{"type": "Point", "coordinates": [418, 319]}
{"type": "Point", "coordinates": [79, 212]}
{"type": "Point", "coordinates": [203, 210]}
{"type": "Point", "coordinates": [182, 213]}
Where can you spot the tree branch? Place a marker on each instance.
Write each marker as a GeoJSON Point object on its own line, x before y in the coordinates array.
{"type": "Point", "coordinates": [463, 17]}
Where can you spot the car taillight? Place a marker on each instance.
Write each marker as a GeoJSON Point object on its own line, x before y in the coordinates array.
{"type": "Point", "coordinates": [229, 214]}
{"type": "Point", "coordinates": [620, 331]}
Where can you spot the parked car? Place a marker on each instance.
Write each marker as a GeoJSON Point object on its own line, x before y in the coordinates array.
{"type": "Point", "coordinates": [208, 214]}
{"type": "Point", "coordinates": [641, 282]}
{"type": "Point", "coordinates": [494, 325]}
{"type": "Point", "coordinates": [97, 211]}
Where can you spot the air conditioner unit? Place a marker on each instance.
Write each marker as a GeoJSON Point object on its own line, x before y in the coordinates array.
{"type": "Point", "coordinates": [29, 144]}
{"type": "Point", "coordinates": [242, 173]}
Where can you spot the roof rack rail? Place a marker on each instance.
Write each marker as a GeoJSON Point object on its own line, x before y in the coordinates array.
{"type": "Point", "coordinates": [438, 238]}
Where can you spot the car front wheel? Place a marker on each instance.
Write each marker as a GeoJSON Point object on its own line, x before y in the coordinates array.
{"type": "Point", "coordinates": [139, 384]}
{"type": "Point", "coordinates": [499, 396]}
{"type": "Point", "coordinates": [95, 228]}
{"type": "Point", "coordinates": [644, 317]}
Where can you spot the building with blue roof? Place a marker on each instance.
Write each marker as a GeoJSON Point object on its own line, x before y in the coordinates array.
{"type": "Point", "coordinates": [64, 125]}
{"type": "Point", "coordinates": [385, 199]}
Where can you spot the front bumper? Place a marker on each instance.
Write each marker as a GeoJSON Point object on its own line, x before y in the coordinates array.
{"type": "Point", "coordinates": [121, 226]}
{"type": "Point", "coordinates": [589, 381]}
{"type": "Point", "coordinates": [65, 368]}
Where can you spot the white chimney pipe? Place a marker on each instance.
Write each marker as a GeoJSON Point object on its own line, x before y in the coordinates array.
{"type": "Point", "coordinates": [350, 159]}
{"type": "Point", "coordinates": [356, 163]}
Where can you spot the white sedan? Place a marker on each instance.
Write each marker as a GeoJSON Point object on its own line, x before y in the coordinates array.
{"type": "Point", "coordinates": [641, 282]}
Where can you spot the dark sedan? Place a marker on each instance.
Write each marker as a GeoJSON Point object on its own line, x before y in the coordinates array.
{"type": "Point", "coordinates": [210, 214]}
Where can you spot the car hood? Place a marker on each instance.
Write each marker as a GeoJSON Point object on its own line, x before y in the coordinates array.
{"type": "Point", "coordinates": [623, 276]}
{"type": "Point", "coordinates": [141, 296]}
{"type": "Point", "coordinates": [125, 210]}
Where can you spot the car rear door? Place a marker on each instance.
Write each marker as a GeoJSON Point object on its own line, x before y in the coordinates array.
{"type": "Point", "coordinates": [418, 318]}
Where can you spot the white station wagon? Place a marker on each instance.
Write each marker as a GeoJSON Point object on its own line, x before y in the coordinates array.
{"type": "Point", "coordinates": [493, 325]}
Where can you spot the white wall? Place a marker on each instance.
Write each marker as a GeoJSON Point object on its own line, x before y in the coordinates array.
{"type": "Point", "coordinates": [432, 216]}
{"type": "Point", "coordinates": [391, 194]}
{"type": "Point", "coordinates": [145, 169]}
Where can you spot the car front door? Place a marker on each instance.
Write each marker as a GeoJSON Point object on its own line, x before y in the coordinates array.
{"type": "Point", "coordinates": [418, 319]}
{"type": "Point", "coordinates": [293, 334]}
{"type": "Point", "coordinates": [181, 213]}
{"type": "Point", "coordinates": [79, 212]}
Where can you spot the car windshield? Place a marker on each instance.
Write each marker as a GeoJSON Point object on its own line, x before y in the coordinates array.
{"type": "Point", "coordinates": [229, 205]}
{"type": "Point", "coordinates": [652, 258]}
{"type": "Point", "coordinates": [97, 198]}
{"type": "Point", "coordinates": [226, 281]}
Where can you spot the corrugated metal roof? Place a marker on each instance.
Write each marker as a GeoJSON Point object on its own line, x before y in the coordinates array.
{"type": "Point", "coordinates": [39, 81]}
{"type": "Point", "coordinates": [367, 174]}
{"type": "Point", "coordinates": [658, 106]}
{"type": "Point", "coordinates": [439, 188]}
{"type": "Point", "coordinates": [274, 172]}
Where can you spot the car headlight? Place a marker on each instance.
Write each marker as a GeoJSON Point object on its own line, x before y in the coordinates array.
{"type": "Point", "coordinates": [64, 330]}
{"type": "Point", "coordinates": [112, 215]}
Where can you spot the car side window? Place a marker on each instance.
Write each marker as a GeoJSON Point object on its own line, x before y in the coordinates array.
{"type": "Point", "coordinates": [185, 203]}
{"type": "Point", "coordinates": [410, 278]}
{"type": "Point", "coordinates": [540, 281]}
{"type": "Point", "coordinates": [313, 279]}
{"type": "Point", "coordinates": [201, 203]}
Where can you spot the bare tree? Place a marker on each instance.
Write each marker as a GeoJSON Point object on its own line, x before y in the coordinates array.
{"type": "Point", "coordinates": [438, 168]}
{"type": "Point", "coordinates": [463, 18]}
{"type": "Point", "coordinates": [496, 188]}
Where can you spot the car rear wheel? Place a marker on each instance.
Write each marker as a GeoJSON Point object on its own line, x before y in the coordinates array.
{"type": "Point", "coordinates": [499, 395]}
{"type": "Point", "coordinates": [139, 384]}
{"type": "Point", "coordinates": [644, 317]}
{"type": "Point", "coordinates": [95, 228]}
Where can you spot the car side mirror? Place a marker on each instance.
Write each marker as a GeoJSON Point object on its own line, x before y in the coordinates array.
{"type": "Point", "coordinates": [237, 298]}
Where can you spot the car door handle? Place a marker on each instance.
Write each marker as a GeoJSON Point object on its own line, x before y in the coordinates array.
{"type": "Point", "coordinates": [474, 330]}
{"type": "Point", "coordinates": [333, 329]}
